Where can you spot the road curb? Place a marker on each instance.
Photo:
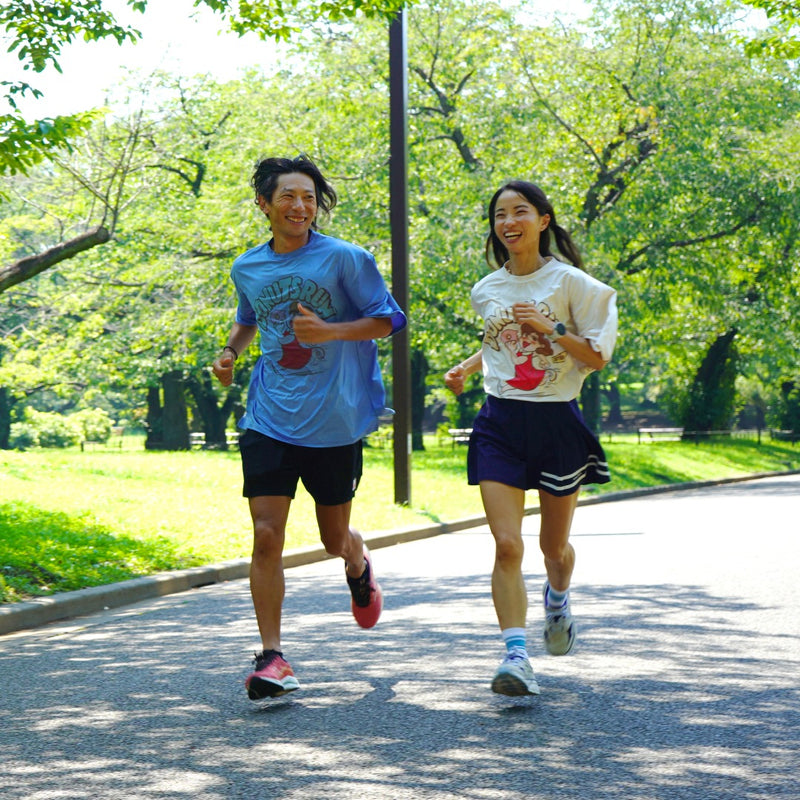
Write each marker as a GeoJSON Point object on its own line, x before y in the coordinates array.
{"type": "Point", "coordinates": [66, 605]}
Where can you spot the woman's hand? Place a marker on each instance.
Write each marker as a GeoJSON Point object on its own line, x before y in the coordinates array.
{"type": "Point", "coordinates": [528, 314]}
{"type": "Point", "coordinates": [454, 379]}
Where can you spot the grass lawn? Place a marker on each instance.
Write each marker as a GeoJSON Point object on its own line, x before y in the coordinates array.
{"type": "Point", "coordinates": [72, 519]}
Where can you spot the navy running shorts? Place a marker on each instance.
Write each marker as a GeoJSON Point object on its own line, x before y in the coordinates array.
{"type": "Point", "coordinates": [530, 445]}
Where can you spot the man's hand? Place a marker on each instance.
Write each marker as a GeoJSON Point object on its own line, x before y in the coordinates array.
{"type": "Point", "coordinates": [309, 328]}
{"type": "Point", "coordinates": [223, 368]}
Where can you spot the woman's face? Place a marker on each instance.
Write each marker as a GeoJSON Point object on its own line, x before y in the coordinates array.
{"type": "Point", "coordinates": [517, 223]}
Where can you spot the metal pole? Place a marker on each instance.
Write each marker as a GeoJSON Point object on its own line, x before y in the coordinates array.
{"type": "Point", "coordinates": [398, 217]}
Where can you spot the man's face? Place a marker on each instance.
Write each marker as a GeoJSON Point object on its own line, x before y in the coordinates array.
{"type": "Point", "coordinates": [291, 210]}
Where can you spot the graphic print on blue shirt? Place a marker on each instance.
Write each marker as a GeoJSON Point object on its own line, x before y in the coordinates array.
{"type": "Point", "coordinates": [276, 307]}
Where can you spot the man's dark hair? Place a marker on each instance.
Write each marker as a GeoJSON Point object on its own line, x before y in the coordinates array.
{"type": "Point", "coordinates": [268, 170]}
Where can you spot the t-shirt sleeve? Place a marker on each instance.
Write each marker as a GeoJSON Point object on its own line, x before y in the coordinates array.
{"type": "Point", "coordinates": [367, 291]}
{"type": "Point", "coordinates": [593, 307]}
{"type": "Point", "coordinates": [245, 314]}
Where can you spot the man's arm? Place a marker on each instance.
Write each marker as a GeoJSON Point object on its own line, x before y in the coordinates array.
{"type": "Point", "coordinates": [311, 329]}
{"type": "Point", "coordinates": [239, 340]}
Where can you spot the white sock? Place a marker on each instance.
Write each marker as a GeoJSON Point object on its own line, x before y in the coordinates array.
{"type": "Point", "coordinates": [554, 599]}
{"type": "Point", "coordinates": [515, 640]}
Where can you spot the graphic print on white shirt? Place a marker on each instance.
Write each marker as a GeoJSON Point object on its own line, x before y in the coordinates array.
{"type": "Point", "coordinates": [522, 364]}
{"type": "Point", "coordinates": [531, 360]}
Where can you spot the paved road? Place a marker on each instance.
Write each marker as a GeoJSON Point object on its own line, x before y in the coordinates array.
{"type": "Point", "coordinates": [683, 685]}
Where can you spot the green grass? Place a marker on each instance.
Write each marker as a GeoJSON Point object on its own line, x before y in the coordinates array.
{"type": "Point", "coordinates": [71, 519]}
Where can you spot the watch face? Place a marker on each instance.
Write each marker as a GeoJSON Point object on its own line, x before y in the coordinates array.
{"type": "Point", "coordinates": [561, 329]}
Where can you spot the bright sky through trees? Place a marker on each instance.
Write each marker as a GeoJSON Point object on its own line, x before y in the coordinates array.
{"type": "Point", "coordinates": [177, 38]}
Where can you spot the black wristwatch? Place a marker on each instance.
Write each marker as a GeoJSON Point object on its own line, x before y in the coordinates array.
{"type": "Point", "coordinates": [559, 329]}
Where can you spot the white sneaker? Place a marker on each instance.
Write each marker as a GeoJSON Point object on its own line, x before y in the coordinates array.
{"type": "Point", "coordinates": [559, 628]}
{"type": "Point", "coordinates": [514, 677]}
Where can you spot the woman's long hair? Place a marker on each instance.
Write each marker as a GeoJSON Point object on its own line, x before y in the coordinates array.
{"type": "Point", "coordinates": [496, 252]}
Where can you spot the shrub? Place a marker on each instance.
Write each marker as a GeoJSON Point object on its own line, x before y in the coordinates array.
{"type": "Point", "coordinates": [95, 424]}
{"type": "Point", "coordinates": [53, 430]}
{"type": "Point", "coordinates": [23, 436]}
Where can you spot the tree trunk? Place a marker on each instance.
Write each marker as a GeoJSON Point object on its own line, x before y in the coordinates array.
{"type": "Point", "coordinates": [176, 417]}
{"type": "Point", "coordinates": [154, 421]}
{"type": "Point", "coordinates": [712, 396]}
{"type": "Point", "coordinates": [213, 414]}
{"type": "Point", "coordinates": [167, 423]}
{"type": "Point", "coordinates": [419, 373]}
{"type": "Point", "coordinates": [590, 402]}
{"type": "Point", "coordinates": [614, 416]}
{"type": "Point", "coordinates": [5, 418]}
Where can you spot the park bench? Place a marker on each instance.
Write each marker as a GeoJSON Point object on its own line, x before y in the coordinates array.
{"type": "Point", "coordinates": [199, 439]}
{"type": "Point", "coordinates": [114, 440]}
{"type": "Point", "coordinates": [663, 434]}
{"type": "Point", "coordinates": [459, 435]}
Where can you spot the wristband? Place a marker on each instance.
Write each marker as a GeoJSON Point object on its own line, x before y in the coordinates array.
{"type": "Point", "coordinates": [233, 350]}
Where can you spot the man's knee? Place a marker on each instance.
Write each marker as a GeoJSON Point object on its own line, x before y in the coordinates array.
{"type": "Point", "coordinates": [267, 540]}
{"type": "Point", "coordinates": [337, 541]}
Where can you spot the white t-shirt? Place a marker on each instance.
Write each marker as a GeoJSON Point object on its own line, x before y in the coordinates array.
{"type": "Point", "coordinates": [522, 364]}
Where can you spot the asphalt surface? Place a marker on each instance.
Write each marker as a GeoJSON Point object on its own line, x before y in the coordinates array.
{"type": "Point", "coordinates": [683, 684]}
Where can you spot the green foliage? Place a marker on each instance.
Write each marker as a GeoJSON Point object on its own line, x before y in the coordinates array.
{"type": "Point", "coordinates": [24, 144]}
{"type": "Point", "coordinates": [46, 429]}
{"type": "Point", "coordinates": [782, 37]}
{"type": "Point", "coordinates": [283, 19]}
{"type": "Point", "coordinates": [95, 424]}
{"type": "Point", "coordinates": [38, 32]}
{"type": "Point", "coordinates": [684, 199]}
{"type": "Point", "coordinates": [43, 552]}
{"type": "Point", "coordinates": [23, 436]}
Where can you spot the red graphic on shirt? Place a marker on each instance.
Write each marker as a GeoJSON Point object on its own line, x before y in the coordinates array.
{"type": "Point", "coordinates": [527, 376]}
{"type": "Point", "coordinates": [526, 344]}
{"type": "Point", "coordinates": [294, 355]}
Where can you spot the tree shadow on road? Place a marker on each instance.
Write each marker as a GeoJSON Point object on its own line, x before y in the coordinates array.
{"type": "Point", "coordinates": [656, 703]}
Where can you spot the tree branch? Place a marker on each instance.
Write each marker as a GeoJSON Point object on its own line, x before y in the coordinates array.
{"type": "Point", "coordinates": [27, 267]}
{"type": "Point", "coordinates": [626, 265]}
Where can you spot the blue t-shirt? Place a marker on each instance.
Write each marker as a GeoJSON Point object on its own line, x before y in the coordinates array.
{"type": "Point", "coordinates": [319, 395]}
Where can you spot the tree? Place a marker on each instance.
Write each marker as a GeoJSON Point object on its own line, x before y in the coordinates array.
{"type": "Point", "coordinates": [683, 199]}
{"type": "Point", "coordinates": [710, 402]}
{"type": "Point", "coordinates": [39, 31]}
{"type": "Point", "coordinates": [782, 38]}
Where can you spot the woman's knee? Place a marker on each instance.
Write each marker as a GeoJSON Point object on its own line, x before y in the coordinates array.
{"type": "Point", "coordinates": [557, 551]}
{"type": "Point", "coordinates": [509, 549]}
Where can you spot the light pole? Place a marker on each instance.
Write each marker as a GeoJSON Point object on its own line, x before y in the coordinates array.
{"type": "Point", "coordinates": [398, 217]}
